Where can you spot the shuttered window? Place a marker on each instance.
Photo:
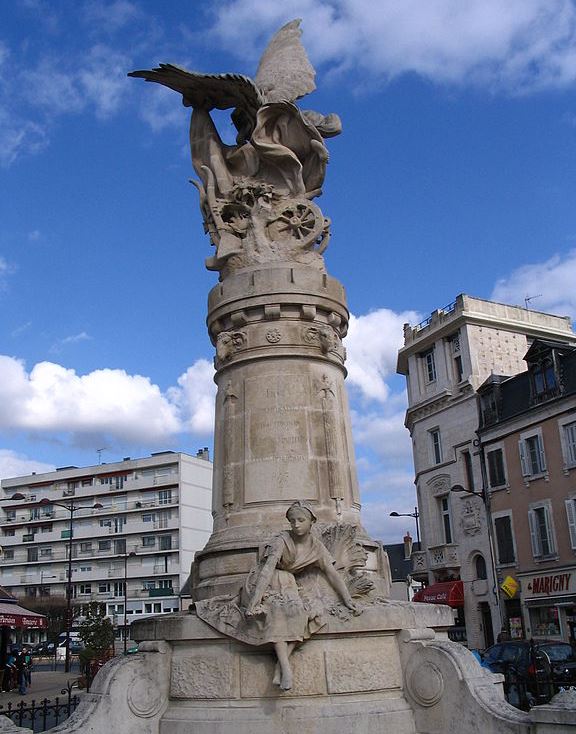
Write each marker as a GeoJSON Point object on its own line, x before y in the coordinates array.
{"type": "Point", "coordinates": [504, 541]}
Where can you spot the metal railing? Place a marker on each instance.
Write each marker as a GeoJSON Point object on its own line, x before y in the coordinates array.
{"type": "Point", "coordinates": [42, 715]}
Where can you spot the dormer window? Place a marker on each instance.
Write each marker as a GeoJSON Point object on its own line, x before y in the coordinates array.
{"type": "Point", "coordinates": [544, 382]}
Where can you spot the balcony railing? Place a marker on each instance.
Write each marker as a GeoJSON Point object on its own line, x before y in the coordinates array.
{"type": "Point", "coordinates": [443, 556]}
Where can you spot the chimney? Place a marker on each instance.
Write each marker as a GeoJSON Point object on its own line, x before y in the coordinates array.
{"type": "Point", "coordinates": [407, 546]}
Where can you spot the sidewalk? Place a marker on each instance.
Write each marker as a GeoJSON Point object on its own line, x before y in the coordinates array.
{"type": "Point", "coordinates": [45, 684]}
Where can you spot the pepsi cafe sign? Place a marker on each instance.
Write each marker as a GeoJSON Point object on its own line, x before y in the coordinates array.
{"type": "Point", "coordinates": [549, 584]}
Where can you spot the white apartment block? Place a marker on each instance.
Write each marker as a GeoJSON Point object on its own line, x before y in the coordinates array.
{"type": "Point", "coordinates": [146, 517]}
{"type": "Point", "coordinates": [445, 359]}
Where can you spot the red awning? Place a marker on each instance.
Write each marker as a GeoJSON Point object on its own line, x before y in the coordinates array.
{"type": "Point", "coordinates": [13, 615]}
{"type": "Point", "coordinates": [446, 592]}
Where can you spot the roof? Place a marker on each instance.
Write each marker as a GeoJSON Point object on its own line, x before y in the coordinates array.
{"type": "Point", "coordinates": [400, 567]}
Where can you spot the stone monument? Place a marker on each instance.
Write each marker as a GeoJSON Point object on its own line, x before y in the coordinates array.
{"type": "Point", "coordinates": [292, 630]}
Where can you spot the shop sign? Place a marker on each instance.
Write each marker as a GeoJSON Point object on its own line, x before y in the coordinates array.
{"type": "Point", "coordinates": [550, 584]}
{"type": "Point", "coordinates": [510, 586]}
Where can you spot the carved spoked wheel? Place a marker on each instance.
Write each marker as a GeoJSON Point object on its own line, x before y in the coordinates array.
{"type": "Point", "coordinates": [299, 221]}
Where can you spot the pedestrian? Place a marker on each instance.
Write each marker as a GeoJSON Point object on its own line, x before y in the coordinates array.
{"type": "Point", "coordinates": [21, 672]}
{"type": "Point", "coordinates": [10, 673]}
{"type": "Point", "coordinates": [28, 664]}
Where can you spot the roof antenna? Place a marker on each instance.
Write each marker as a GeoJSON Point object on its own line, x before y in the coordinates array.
{"type": "Point", "coordinates": [99, 452]}
{"type": "Point", "coordinates": [527, 300]}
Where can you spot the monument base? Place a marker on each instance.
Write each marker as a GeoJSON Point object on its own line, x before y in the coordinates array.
{"type": "Point", "coordinates": [390, 669]}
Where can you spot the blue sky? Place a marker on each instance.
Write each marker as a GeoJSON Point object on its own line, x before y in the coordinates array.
{"type": "Point", "coordinates": [455, 172]}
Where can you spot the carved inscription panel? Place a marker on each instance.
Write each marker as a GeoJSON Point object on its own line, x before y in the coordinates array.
{"type": "Point", "coordinates": [277, 453]}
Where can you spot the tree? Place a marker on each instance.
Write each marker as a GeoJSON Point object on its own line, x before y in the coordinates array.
{"type": "Point", "coordinates": [96, 631]}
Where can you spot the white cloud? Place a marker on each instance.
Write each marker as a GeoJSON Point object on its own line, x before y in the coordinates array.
{"type": "Point", "coordinates": [110, 17]}
{"type": "Point", "coordinates": [13, 464]}
{"type": "Point", "coordinates": [72, 339]}
{"type": "Point", "coordinates": [195, 396]}
{"type": "Point", "coordinates": [51, 399]}
{"type": "Point", "coordinates": [519, 44]}
{"type": "Point", "coordinates": [384, 434]}
{"type": "Point", "coordinates": [19, 137]}
{"type": "Point", "coordinates": [372, 345]}
{"type": "Point", "coordinates": [550, 285]}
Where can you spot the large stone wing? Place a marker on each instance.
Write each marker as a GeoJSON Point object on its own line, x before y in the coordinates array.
{"type": "Point", "coordinates": [285, 73]}
{"type": "Point", "coordinates": [220, 91]}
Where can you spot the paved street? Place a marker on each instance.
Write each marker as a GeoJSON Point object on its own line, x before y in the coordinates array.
{"type": "Point", "coordinates": [45, 684]}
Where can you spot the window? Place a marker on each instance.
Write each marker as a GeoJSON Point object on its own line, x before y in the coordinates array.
{"type": "Point", "coordinates": [468, 470]}
{"type": "Point", "coordinates": [118, 588]}
{"type": "Point", "coordinates": [570, 516]}
{"type": "Point", "coordinates": [106, 523]}
{"type": "Point", "coordinates": [504, 539]}
{"type": "Point", "coordinates": [541, 533]}
{"type": "Point", "coordinates": [149, 517]}
{"type": "Point", "coordinates": [164, 496]}
{"type": "Point", "coordinates": [165, 542]}
{"type": "Point", "coordinates": [532, 455]}
{"type": "Point", "coordinates": [85, 589]}
{"type": "Point", "coordinates": [104, 545]}
{"type": "Point", "coordinates": [32, 554]}
{"type": "Point", "coordinates": [46, 528]}
{"type": "Point", "coordinates": [9, 554]}
{"type": "Point", "coordinates": [429, 366]}
{"type": "Point", "coordinates": [120, 545]}
{"type": "Point", "coordinates": [148, 541]}
{"type": "Point", "coordinates": [103, 588]}
{"type": "Point", "coordinates": [458, 369]}
{"type": "Point", "coordinates": [569, 435]}
{"type": "Point", "coordinates": [86, 547]}
{"type": "Point", "coordinates": [150, 584]}
{"type": "Point", "coordinates": [85, 568]}
{"type": "Point", "coordinates": [35, 513]}
{"type": "Point", "coordinates": [8, 532]}
{"type": "Point", "coordinates": [436, 445]}
{"type": "Point", "coordinates": [157, 607]}
{"type": "Point", "coordinates": [446, 522]}
{"type": "Point", "coordinates": [114, 482]}
{"type": "Point", "coordinates": [87, 482]}
{"type": "Point", "coordinates": [165, 584]}
{"type": "Point", "coordinates": [543, 379]}
{"type": "Point", "coordinates": [46, 552]}
{"type": "Point", "coordinates": [496, 473]}
{"type": "Point", "coordinates": [480, 565]}
{"type": "Point", "coordinates": [10, 515]}
{"type": "Point", "coordinates": [147, 608]}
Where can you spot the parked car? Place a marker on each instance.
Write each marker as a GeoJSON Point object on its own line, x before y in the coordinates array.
{"type": "Point", "coordinates": [563, 661]}
{"type": "Point", "coordinates": [528, 678]}
{"type": "Point", "coordinates": [75, 647]}
{"type": "Point", "coordinates": [44, 649]}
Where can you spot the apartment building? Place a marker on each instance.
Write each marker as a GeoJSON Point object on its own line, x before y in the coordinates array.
{"type": "Point", "coordinates": [445, 359]}
{"type": "Point", "coordinates": [132, 527]}
{"type": "Point", "coordinates": [528, 437]}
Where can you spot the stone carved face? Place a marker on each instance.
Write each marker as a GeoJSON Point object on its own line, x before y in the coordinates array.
{"type": "Point", "coordinates": [300, 521]}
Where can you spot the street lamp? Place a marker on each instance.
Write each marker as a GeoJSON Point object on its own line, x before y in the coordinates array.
{"type": "Point", "coordinates": [126, 557]}
{"type": "Point", "coordinates": [485, 497]}
{"type": "Point", "coordinates": [415, 515]}
{"type": "Point", "coordinates": [71, 508]}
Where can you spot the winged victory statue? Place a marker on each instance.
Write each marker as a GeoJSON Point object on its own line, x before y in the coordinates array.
{"type": "Point", "coordinates": [256, 196]}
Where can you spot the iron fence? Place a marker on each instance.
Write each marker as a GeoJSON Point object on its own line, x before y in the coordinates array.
{"type": "Point", "coordinates": [42, 715]}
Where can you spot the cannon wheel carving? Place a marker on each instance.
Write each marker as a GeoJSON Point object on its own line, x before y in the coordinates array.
{"type": "Point", "coordinates": [299, 222]}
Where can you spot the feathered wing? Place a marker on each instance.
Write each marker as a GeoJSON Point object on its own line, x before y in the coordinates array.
{"type": "Point", "coordinates": [285, 73]}
{"type": "Point", "coordinates": [220, 91]}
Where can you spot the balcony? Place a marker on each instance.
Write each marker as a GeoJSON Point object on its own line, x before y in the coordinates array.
{"type": "Point", "coordinates": [420, 565]}
{"type": "Point", "coordinates": [443, 557]}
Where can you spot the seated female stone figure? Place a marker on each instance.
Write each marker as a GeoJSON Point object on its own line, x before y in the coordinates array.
{"type": "Point", "coordinates": [272, 607]}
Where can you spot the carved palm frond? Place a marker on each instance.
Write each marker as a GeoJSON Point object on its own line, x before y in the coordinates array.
{"type": "Point", "coordinates": [345, 549]}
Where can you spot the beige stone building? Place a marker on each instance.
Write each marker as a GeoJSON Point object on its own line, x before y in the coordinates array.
{"type": "Point", "coordinates": [445, 359]}
{"type": "Point", "coordinates": [528, 434]}
{"type": "Point", "coordinates": [137, 524]}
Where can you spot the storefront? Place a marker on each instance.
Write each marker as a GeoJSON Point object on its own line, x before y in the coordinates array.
{"type": "Point", "coordinates": [549, 604]}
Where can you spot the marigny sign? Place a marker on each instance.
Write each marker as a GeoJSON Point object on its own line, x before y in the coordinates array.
{"type": "Point", "coordinates": [550, 584]}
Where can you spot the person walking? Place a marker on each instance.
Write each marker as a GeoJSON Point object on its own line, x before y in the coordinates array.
{"type": "Point", "coordinates": [21, 672]}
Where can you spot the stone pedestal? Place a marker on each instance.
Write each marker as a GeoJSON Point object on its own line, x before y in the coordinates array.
{"type": "Point", "coordinates": [282, 420]}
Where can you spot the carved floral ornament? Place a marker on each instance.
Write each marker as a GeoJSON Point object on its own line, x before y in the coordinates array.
{"type": "Point", "coordinates": [229, 342]}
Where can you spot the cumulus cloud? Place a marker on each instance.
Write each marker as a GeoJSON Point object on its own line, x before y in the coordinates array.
{"type": "Point", "coordinates": [13, 464]}
{"type": "Point", "coordinates": [372, 345]}
{"type": "Point", "coordinates": [384, 433]}
{"type": "Point", "coordinates": [549, 284]}
{"type": "Point", "coordinates": [519, 44]}
{"type": "Point", "coordinates": [50, 399]}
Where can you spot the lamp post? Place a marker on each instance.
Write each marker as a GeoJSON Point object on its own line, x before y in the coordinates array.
{"type": "Point", "coordinates": [126, 557]}
{"type": "Point", "coordinates": [485, 497]}
{"type": "Point", "coordinates": [415, 515]}
{"type": "Point", "coordinates": [71, 508]}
